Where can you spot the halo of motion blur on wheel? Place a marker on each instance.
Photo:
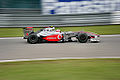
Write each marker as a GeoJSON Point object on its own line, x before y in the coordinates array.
{"type": "Point", "coordinates": [82, 37]}
{"type": "Point", "coordinates": [32, 39]}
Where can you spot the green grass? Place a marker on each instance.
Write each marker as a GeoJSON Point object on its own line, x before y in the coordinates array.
{"type": "Point", "coordinates": [88, 69]}
{"type": "Point", "coordinates": [102, 30]}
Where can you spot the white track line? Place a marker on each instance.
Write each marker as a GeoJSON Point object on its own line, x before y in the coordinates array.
{"type": "Point", "coordinates": [12, 38]}
{"type": "Point", "coordinates": [17, 60]}
{"type": "Point", "coordinates": [118, 35]}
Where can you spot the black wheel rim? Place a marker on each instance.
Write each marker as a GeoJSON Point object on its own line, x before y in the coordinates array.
{"type": "Point", "coordinates": [83, 37]}
{"type": "Point", "coordinates": [33, 38]}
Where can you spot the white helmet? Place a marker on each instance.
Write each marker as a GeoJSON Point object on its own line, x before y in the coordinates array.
{"type": "Point", "coordinates": [58, 30]}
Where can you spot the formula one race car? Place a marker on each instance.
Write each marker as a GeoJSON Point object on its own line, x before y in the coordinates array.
{"type": "Point", "coordinates": [49, 34]}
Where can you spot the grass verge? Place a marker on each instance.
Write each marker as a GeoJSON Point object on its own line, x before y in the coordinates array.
{"type": "Point", "coordinates": [102, 30]}
{"type": "Point", "coordinates": [83, 69]}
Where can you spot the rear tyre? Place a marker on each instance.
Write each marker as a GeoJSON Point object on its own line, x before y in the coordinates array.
{"type": "Point", "coordinates": [82, 37]}
{"type": "Point", "coordinates": [33, 39]}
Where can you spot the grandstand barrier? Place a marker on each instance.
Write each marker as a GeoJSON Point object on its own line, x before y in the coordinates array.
{"type": "Point", "coordinates": [33, 18]}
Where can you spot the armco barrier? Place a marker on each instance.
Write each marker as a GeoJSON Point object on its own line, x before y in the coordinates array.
{"type": "Point", "coordinates": [33, 17]}
{"type": "Point", "coordinates": [116, 17]}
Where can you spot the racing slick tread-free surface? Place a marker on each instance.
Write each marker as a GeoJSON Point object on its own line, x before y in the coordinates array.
{"type": "Point", "coordinates": [82, 37]}
{"type": "Point", "coordinates": [33, 39]}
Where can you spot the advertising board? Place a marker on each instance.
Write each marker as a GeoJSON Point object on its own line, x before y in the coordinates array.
{"type": "Point", "coordinates": [79, 6]}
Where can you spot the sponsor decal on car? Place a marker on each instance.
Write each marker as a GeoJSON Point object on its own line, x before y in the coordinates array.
{"type": "Point", "coordinates": [51, 38]}
{"type": "Point", "coordinates": [59, 36]}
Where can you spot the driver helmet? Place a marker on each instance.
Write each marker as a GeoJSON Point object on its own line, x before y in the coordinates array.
{"type": "Point", "coordinates": [51, 26]}
{"type": "Point", "coordinates": [58, 30]}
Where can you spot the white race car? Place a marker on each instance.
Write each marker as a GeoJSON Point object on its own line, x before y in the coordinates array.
{"type": "Point", "coordinates": [49, 34]}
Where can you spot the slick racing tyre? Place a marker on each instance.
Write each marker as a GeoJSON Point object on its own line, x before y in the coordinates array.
{"type": "Point", "coordinates": [82, 37]}
{"type": "Point", "coordinates": [33, 39]}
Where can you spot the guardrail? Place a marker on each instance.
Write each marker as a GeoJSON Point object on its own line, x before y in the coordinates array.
{"type": "Point", "coordinates": [33, 17]}
{"type": "Point", "coordinates": [116, 17]}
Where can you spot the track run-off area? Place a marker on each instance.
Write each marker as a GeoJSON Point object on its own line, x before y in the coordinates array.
{"type": "Point", "coordinates": [17, 49]}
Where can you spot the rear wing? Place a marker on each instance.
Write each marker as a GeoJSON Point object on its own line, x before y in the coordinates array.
{"type": "Point", "coordinates": [27, 31]}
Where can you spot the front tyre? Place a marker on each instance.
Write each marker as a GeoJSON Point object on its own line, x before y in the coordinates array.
{"type": "Point", "coordinates": [82, 37]}
{"type": "Point", "coordinates": [33, 39]}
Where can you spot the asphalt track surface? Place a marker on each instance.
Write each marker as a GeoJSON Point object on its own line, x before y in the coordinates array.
{"type": "Point", "coordinates": [19, 49]}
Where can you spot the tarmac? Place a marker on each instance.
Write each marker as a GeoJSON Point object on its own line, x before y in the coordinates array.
{"type": "Point", "coordinates": [17, 49]}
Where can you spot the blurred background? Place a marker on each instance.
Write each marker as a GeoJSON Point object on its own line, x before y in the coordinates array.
{"type": "Point", "coordinates": [98, 16]}
{"type": "Point", "coordinates": [20, 4]}
{"type": "Point", "coordinates": [41, 13]}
